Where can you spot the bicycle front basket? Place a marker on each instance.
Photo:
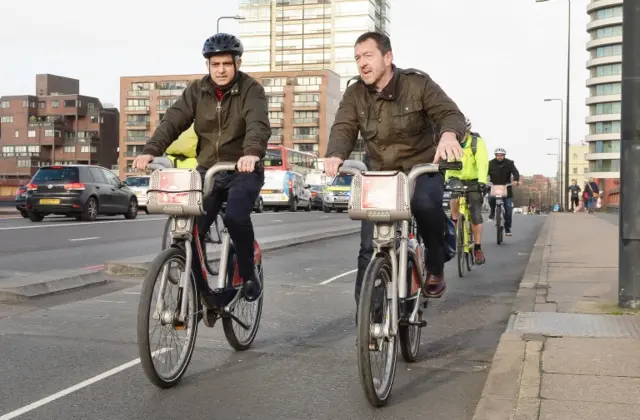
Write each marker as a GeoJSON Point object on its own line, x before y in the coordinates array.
{"type": "Point", "coordinates": [498, 191]}
{"type": "Point", "coordinates": [379, 196]}
{"type": "Point", "coordinates": [176, 192]}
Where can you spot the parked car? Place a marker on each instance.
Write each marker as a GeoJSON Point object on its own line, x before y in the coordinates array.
{"type": "Point", "coordinates": [258, 206]}
{"type": "Point", "coordinates": [317, 192]}
{"type": "Point", "coordinates": [83, 191]}
{"type": "Point", "coordinates": [140, 186]}
{"type": "Point", "coordinates": [21, 201]}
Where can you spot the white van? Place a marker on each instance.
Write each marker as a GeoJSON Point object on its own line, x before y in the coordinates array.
{"type": "Point", "coordinates": [285, 189]}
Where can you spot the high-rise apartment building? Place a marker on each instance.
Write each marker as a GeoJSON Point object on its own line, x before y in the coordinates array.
{"type": "Point", "coordinates": [302, 107]}
{"type": "Point", "coordinates": [57, 125]}
{"type": "Point", "coordinates": [605, 87]}
{"type": "Point", "coordinates": [293, 35]}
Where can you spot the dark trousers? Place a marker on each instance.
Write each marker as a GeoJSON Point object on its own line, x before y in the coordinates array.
{"type": "Point", "coordinates": [426, 205]}
{"type": "Point", "coordinates": [240, 190]}
{"type": "Point", "coordinates": [507, 204]}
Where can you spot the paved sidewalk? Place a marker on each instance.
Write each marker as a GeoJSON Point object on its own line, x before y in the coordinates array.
{"type": "Point", "coordinates": [569, 352]}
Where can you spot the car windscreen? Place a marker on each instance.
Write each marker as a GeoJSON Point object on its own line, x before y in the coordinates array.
{"type": "Point", "coordinates": [137, 181]}
{"type": "Point", "coordinates": [342, 181]}
{"type": "Point", "coordinates": [56, 174]}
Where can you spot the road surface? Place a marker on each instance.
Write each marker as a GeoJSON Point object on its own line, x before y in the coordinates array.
{"type": "Point", "coordinates": [63, 243]}
{"type": "Point", "coordinates": [301, 366]}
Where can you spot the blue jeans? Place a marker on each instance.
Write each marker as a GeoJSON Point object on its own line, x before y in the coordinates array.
{"type": "Point", "coordinates": [507, 204]}
{"type": "Point", "coordinates": [426, 205]}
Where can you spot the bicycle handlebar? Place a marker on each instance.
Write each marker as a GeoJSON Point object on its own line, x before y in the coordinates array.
{"type": "Point", "coordinates": [353, 167]}
{"type": "Point", "coordinates": [491, 184]}
{"type": "Point", "coordinates": [163, 162]}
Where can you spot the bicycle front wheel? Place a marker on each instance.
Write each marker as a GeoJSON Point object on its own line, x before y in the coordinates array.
{"type": "Point", "coordinates": [157, 363]}
{"type": "Point", "coordinates": [373, 309]}
{"type": "Point", "coordinates": [499, 224]}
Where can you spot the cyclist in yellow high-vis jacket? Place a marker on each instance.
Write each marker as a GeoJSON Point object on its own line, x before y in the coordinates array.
{"type": "Point", "coordinates": [474, 174]}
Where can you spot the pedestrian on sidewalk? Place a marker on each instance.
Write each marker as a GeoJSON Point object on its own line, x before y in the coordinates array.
{"type": "Point", "coordinates": [575, 189]}
{"type": "Point", "coordinates": [592, 193]}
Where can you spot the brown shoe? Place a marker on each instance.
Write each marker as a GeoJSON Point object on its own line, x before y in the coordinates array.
{"type": "Point", "coordinates": [435, 286]}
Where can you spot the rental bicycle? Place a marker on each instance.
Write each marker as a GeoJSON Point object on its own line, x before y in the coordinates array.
{"type": "Point", "coordinates": [464, 232]}
{"type": "Point", "coordinates": [179, 194]}
{"type": "Point", "coordinates": [499, 192]}
{"type": "Point", "coordinates": [395, 276]}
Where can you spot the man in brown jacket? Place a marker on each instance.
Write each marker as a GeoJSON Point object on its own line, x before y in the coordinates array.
{"type": "Point", "coordinates": [229, 110]}
{"type": "Point", "coordinates": [405, 119]}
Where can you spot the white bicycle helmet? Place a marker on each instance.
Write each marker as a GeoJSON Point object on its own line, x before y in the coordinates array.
{"type": "Point", "coordinates": [467, 123]}
{"type": "Point", "coordinates": [499, 151]}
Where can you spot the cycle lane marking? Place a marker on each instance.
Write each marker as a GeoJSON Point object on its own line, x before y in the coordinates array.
{"type": "Point", "coordinates": [74, 388]}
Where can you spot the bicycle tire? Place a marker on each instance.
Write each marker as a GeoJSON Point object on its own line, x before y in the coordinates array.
{"type": "Point", "coordinates": [410, 334]}
{"type": "Point", "coordinates": [227, 323]}
{"type": "Point", "coordinates": [144, 309]}
{"type": "Point", "coordinates": [460, 251]}
{"type": "Point", "coordinates": [377, 399]}
{"type": "Point", "coordinates": [166, 234]}
{"type": "Point", "coordinates": [499, 224]}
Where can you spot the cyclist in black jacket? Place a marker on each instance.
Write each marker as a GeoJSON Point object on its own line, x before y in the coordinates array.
{"type": "Point", "coordinates": [501, 170]}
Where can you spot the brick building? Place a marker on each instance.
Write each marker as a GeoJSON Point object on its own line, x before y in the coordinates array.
{"type": "Point", "coordinates": [302, 107]}
{"type": "Point", "coordinates": [57, 125]}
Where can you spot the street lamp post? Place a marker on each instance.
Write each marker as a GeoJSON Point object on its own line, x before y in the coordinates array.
{"type": "Point", "coordinates": [559, 167]}
{"type": "Point", "coordinates": [236, 17]}
{"type": "Point", "coordinates": [562, 140]}
{"type": "Point", "coordinates": [629, 246]}
{"type": "Point", "coordinates": [558, 184]}
{"type": "Point", "coordinates": [566, 136]}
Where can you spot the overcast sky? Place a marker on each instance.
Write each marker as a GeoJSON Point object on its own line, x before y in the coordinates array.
{"type": "Point", "coordinates": [498, 59]}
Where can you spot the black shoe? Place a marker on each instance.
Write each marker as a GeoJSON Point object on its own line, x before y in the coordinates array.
{"type": "Point", "coordinates": [252, 288]}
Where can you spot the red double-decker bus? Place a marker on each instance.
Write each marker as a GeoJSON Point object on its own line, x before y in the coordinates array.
{"type": "Point", "coordinates": [285, 159]}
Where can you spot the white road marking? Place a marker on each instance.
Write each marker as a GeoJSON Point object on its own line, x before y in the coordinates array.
{"type": "Point", "coordinates": [84, 239]}
{"type": "Point", "coordinates": [333, 278]}
{"type": "Point", "coordinates": [75, 388]}
{"type": "Point", "coordinates": [108, 301]}
{"type": "Point", "coordinates": [102, 222]}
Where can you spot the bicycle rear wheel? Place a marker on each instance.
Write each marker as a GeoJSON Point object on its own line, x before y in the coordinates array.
{"type": "Point", "coordinates": [410, 334]}
{"type": "Point", "coordinates": [170, 262]}
{"type": "Point", "coordinates": [460, 251]}
{"type": "Point", "coordinates": [372, 315]}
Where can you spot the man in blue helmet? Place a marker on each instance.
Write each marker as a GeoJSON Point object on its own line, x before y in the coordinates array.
{"type": "Point", "coordinates": [229, 110]}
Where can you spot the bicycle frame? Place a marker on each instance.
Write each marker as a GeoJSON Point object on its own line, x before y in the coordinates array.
{"type": "Point", "coordinates": [184, 229]}
{"type": "Point", "coordinates": [386, 223]}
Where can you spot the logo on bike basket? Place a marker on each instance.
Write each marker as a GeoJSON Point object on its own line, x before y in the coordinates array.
{"type": "Point", "coordinates": [170, 183]}
{"type": "Point", "coordinates": [379, 192]}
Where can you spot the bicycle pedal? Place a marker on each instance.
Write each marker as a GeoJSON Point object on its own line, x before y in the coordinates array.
{"type": "Point", "coordinates": [420, 324]}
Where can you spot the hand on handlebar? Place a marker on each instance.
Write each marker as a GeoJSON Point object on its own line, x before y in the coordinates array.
{"type": "Point", "coordinates": [247, 163]}
{"type": "Point", "coordinates": [331, 166]}
{"type": "Point", "coordinates": [141, 162]}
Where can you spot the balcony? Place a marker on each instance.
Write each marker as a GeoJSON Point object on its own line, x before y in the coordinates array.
{"type": "Point", "coordinates": [275, 139]}
{"type": "Point", "coordinates": [308, 106]}
{"type": "Point", "coordinates": [131, 154]}
{"type": "Point", "coordinates": [162, 108]}
{"type": "Point", "coordinates": [170, 92]}
{"type": "Point", "coordinates": [51, 125]}
{"type": "Point", "coordinates": [305, 138]}
{"type": "Point", "coordinates": [138, 109]}
{"type": "Point", "coordinates": [306, 121]}
{"type": "Point", "coordinates": [274, 90]}
{"type": "Point", "coordinates": [72, 107]}
{"type": "Point", "coordinates": [276, 106]}
{"type": "Point", "coordinates": [275, 122]}
{"type": "Point", "coordinates": [138, 93]}
{"type": "Point", "coordinates": [137, 124]}
{"type": "Point", "coordinates": [306, 88]}
{"type": "Point", "coordinates": [136, 139]}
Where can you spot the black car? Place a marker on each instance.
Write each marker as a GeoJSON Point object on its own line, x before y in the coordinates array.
{"type": "Point", "coordinates": [21, 201]}
{"type": "Point", "coordinates": [316, 196]}
{"type": "Point", "coordinates": [83, 191]}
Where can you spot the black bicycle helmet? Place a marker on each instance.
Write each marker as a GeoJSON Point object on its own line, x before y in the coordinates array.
{"type": "Point", "coordinates": [222, 43]}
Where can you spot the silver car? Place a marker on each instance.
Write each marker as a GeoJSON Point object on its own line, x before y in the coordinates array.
{"type": "Point", "coordinates": [139, 185]}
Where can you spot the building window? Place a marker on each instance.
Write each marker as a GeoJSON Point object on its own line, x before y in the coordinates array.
{"type": "Point", "coordinates": [69, 149]}
{"type": "Point", "coordinates": [607, 13]}
{"type": "Point", "coordinates": [607, 70]}
{"type": "Point", "coordinates": [604, 146]}
{"type": "Point", "coordinates": [34, 148]}
{"type": "Point", "coordinates": [31, 133]}
{"type": "Point", "coordinates": [5, 104]}
{"type": "Point", "coordinates": [605, 108]}
{"type": "Point", "coordinates": [607, 51]}
{"type": "Point", "coordinates": [605, 127]}
{"type": "Point", "coordinates": [607, 89]}
{"type": "Point", "coordinates": [24, 163]}
{"type": "Point", "coordinates": [304, 131]}
{"type": "Point", "coordinates": [42, 104]}
{"type": "Point", "coordinates": [575, 156]}
{"type": "Point", "coordinates": [55, 104]}
{"type": "Point", "coordinates": [6, 119]}
{"type": "Point", "coordinates": [8, 150]}
{"type": "Point", "coordinates": [16, 133]}
{"type": "Point", "coordinates": [276, 115]}
{"type": "Point", "coordinates": [607, 32]}
{"type": "Point", "coordinates": [575, 170]}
